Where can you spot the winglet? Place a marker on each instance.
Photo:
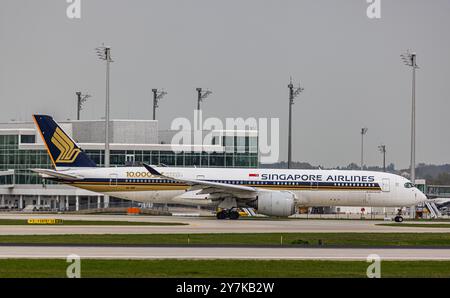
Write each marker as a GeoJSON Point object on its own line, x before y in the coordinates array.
{"type": "Point", "coordinates": [151, 170]}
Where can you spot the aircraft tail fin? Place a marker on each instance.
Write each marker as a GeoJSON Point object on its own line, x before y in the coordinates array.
{"type": "Point", "coordinates": [63, 151]}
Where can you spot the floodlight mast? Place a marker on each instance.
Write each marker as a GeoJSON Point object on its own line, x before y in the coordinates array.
{"type": "Point", "coordinates": [409, 58]}
{"type": "Point", "coordinates": [157, 96]}
{"type": "Point", "coordinates": [363, 133]}
{"type": "Point", "coordinates": [382, 149]}
{"type": "Point", "coordinates": [293, 93]}
{"type": "Point", "coordinates": [104, 53]}
{"type": "Point", "coordinates": [81, 99]}
{"type": "Point", "coordinates": [201, 96]}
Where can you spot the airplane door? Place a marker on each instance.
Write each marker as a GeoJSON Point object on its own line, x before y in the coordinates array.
{"type": "Point", "coordinates": [385, 185]}
{"type": "Point", "coordinates": [113, 179]}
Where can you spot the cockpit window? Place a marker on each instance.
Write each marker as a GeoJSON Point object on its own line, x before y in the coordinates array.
{"type": "Point", "coordinates": [409, 185]}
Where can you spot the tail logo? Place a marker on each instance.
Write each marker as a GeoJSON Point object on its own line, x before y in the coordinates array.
{"type": "Point", "coordinates": [68, 152]}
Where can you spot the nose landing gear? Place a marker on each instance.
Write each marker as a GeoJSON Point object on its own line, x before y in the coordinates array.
{"type": "Point", "coordinates": [399, 217]}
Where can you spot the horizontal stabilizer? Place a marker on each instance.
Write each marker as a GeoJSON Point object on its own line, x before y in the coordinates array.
{"type": "Point", "coordinates": [56, 174]}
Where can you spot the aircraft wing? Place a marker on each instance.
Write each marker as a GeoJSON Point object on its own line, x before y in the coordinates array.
{"type": "Point", "coordinates": [208, 187]}
{"type": "Point", "coordinates": [56, 174]}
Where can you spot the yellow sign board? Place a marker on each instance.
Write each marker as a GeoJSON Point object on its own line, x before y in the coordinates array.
{"type": "Point", "coordinates": [45, 221]}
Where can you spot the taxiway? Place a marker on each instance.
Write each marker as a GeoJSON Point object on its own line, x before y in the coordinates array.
{"type": "Point", "coordinates": [203, 225]}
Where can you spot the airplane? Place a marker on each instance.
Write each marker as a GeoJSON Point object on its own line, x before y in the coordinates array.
{"type": "Point", "coordinates": [272, 192]}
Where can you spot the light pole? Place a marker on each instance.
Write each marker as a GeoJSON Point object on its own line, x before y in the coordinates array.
{"type": "Point", "coordinates": [104, 53]}
{"type": "Point", "coordinates": [157, 95]}
{"type": "Point", "coordinates": [201, 95]}
{"type": "Point", "coordinates": [382, 149]}
{"type": "Point", "coordinates": [363, 133]}
{"type": "Point", "coordinates": [293, 93]}
{"type": "Point", "coordinates": [81, 99]}
{"type": "Point", "coordinates": [409, 58]}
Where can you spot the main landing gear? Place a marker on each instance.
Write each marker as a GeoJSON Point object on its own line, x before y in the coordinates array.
{"type": "Point", "coordinates": [228, 213]}
{"type": "Point", "coordinates": [399, 217]}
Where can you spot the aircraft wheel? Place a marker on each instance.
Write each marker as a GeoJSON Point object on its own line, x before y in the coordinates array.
{"type": "Point", "coordinates": [222, 214]}
{"type": "Point", "coordinates": [234, 215]}
{"type": "Point", "coordinates": [398, 219]}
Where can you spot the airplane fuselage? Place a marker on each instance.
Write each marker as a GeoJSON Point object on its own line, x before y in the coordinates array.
{"type": "Point", "coordinates": [310, 187]}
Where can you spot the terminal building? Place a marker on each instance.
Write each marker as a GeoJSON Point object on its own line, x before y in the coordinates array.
{"type": "Point", "coordinates": [131, 143]}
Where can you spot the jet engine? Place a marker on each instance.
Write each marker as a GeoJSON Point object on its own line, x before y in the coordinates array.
{"type": "Point", "coordinates": [275, 203]}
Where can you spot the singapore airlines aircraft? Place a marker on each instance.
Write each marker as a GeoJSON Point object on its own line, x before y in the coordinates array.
{"type": "Point", "coordinates": [275, 192]}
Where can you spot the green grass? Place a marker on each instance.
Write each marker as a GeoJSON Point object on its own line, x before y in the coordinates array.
{"type": "Point", "coordinates": [15, 222]}
{"type": "Point", "coordinates": [416, 225]}
{"type": "Point", "coordinates": [220, 268]}
{"type": "Point", "coordinates": [306, 239]}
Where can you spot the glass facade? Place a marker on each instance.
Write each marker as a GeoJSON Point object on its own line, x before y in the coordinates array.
{"type": "Point", "coordinates": [6, 180]}
{"type": "Point", "coordinates": [177, 159]}
{"type": "Point", "coordinates": [13, 158]}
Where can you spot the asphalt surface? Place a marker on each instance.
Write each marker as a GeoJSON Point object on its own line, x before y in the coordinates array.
{"type": "Point", "coordinates": [203, 225]}
{"type": "Point", "coordinates": [211, 225]}
{"type": "Point", "coordinates": [55, 252]}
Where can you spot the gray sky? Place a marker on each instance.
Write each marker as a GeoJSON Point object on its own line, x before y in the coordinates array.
{"type": "Point", "coordinates": [244, 51]}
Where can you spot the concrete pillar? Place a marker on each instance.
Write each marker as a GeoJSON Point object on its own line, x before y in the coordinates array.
{"type": "Point", "coordinates": [39, 200]}
{"type": "Point", "coordinates": [77, 203]}
{"type": "Point", "coordinates": [98, 202]}
{"type": "Point", "coordinates": [3, 200]}
{"type": "Point", "coordinates": [106, 202]}
{"type": "Point", "coordinates": [21, 202]}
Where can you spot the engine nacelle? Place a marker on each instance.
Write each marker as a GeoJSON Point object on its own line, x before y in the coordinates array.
{"type": "Point", "coordinates": [276, 203]}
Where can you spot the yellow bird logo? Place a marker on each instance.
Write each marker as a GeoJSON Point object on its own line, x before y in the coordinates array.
{"type": "Point", "coordinates": [68, 152]}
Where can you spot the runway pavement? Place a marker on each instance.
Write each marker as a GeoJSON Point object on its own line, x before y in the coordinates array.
{"type": "Point", "coordinates": [203, 225]}
{"type": "Point", "coordinates": [39, 252]}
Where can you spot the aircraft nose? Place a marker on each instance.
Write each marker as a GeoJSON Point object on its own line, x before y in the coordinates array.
{"type": "Point", "coordinates": [420, 196]}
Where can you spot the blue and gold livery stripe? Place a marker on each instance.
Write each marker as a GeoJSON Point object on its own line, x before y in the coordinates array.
{"type": "Point", "coordinates": [111, 185]}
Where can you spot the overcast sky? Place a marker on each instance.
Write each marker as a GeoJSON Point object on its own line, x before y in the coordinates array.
{"type": "Point", "coordinates": [244, 51]}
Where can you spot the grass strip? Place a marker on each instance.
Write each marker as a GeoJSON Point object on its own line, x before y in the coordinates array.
{"type": "Point", "coordinates": [276, 239]}
{"type": "Point", "coordinates": [33, 268]}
